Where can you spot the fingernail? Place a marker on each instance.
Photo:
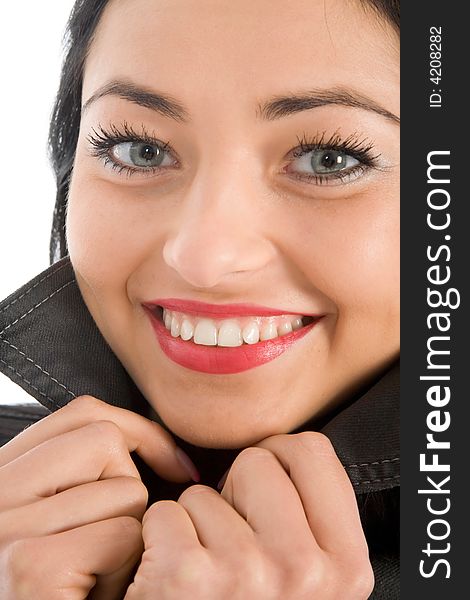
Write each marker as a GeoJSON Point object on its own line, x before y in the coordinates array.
{"type": "Point", "coordinates": [223, 479]}
{"type": "Point", "coordinates": [187, 464]}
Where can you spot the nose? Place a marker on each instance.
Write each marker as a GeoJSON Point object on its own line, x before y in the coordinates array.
{"type": "Point", "coordinates": [219, 232]}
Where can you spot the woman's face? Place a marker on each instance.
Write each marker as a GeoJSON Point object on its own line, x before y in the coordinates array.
{"type": "Point", "coordinates": [292, 207]}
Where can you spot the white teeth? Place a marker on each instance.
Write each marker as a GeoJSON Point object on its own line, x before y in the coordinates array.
{"type": "Point", "coordinates": [167, 318]}
{"type": "Point", "coordinates": [175, 327]}
{"type": "Point", "coordinates": [205, 333]}
{"type": "Point", "coordinates": [284, 328]}
{"type": "Point", "coordinates": [230, 334]}
{"type": "Point", "coordinates": [187, 330]}
{"type": "Point", "coordinates": [250, 333]}
{"type": "Point", "coordinates": [268, 332]}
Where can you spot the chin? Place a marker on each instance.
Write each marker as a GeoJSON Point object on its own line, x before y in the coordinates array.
{"type": "Point", "coordinates": [224, 434]}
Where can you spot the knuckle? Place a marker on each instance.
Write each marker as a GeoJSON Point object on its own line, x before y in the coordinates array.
{"type": "Point", "coordinates": [85, 403]}
{"type": "Point", "coordinates": [136, 492]}
{"type": "Point", "coordinates": [15, 559]}
{"type": "Point", "coordinates": [243, 463]}
{"type": "Point", "coordinates": [250, 565]}
{"type": "Point", "coordinates": [314, 441]}
{"type": "Point", "coordinates": [108, 434]}
{"type": "Point", "coordinates": [261, 574]}
{"type": "Point", "coordinates": [254, 567]}
{"type": "Point", "coordinates": [304, 573]}
{"type": "Point", "coordinates": [247, 455]}
{"type": "Point", "coordinates": [301, 560]}
{"type": "Point", "coordinates": [362, 581]}
{"type": "Point", "coordinates": [195, 490]}
{"type": "Point", "coordinates": [157, 509]}
{"type": "Point", "coordinates": [193, 571]}
{"type": "Point", "coordinates": [22, 563]}
{"type": "Point", "coordinates": [254, 452]}
{"type": "Point", "coordinates": [129, 528]}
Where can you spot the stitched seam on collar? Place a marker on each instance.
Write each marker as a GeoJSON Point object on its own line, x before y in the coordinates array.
{"type": "Point", "coordinates": [18, 374]}
{"type": "Point", "coordinates": [37, 306]}
{"type": "Point", "coordinates": [24, 356]}
{"type": "Point", "coordinates": [38, 367]}
{"type": "Point", "coordinates": [375, 462]}
{"type": "Point", "coordinates": [30, 289]}
{"type": "Point", "coordinates": [380, 480]}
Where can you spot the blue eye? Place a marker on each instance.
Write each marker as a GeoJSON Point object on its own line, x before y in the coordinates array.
{"type": "Point", "coordinates": [139, 154]}
{"type": "Point", "coordinates": [317, 160]}
{"type": "Point", "coordinates": [326, 165]}
{"type": "Point", "coordinates": [130, 152]}
{"type": "Point", "coordinates": [330, 161]}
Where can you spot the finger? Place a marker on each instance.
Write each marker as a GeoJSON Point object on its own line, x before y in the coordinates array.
{"type": "Point", "coordinates": [152, 442]}
{"type": "Point", "coordinates": [220, 528]}
{"type": "Point", "coordinates": [260, 490]}
{"type": "Point", "coordinates": [96, 451]}
{"type": "Point", "coordinates": [104, 553]}
{"type": "Point", "coordinates": [88, 503]}
{"type": "Point", "coordinates": [327, 494]}
{"type": "Point", "coordinates": [167, 529]}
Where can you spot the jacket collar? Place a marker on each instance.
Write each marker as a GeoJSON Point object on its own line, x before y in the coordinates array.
{"type": "Point", "coordinates": [50, 346]}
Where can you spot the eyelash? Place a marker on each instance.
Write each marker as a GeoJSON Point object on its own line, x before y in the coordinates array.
{"type": "Point", "coordinates": [102, 141]}
{"type": "Point", "coordinates": [354, 146]}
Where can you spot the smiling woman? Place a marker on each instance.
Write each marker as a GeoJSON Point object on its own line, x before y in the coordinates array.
{"type": "Point", "coordinates": [226, 264]}
{"type": "Point", "coordinates": [190, 162]}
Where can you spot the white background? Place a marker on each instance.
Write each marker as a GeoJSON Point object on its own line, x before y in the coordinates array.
{"type": "Point", "coordinates": [30, 59]}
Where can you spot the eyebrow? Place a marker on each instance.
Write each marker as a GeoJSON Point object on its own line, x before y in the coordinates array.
{"type": "Point", "coordinates": [282, 106]}
{"type": "Point", "coordinates": [274, 108]}
{"type": "Point", "coordinates": [161, 103]}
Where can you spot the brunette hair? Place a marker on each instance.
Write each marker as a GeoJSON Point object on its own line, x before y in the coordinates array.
{"type": "Point", "coordinates": [65, 119]}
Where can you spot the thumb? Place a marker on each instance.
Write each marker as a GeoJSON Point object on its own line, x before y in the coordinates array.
{"type": "Point", "coordinates": [152, 442]}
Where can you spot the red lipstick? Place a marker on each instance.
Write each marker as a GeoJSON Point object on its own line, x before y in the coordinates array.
{"type": "Point", "coordinates": [216, 359]}
{"type": "Point", "coordinates": [221, 311]}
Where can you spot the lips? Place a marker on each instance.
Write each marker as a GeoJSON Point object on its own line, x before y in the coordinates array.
{"type": "Point", "coordinates": [224, 311]}
{"type": "Point", "coordinates": [215, 359]}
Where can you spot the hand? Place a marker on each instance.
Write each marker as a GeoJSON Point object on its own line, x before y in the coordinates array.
{"type": "Point", "coordinates": [72, 500]}
{"type": "Point", "coordinates": [285, 526]}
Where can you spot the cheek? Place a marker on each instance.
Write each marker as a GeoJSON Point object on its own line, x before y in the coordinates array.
{"type": "Point", "coordinates": [350, 253]}
{"type": "Point", "coordinates": [102, 226]}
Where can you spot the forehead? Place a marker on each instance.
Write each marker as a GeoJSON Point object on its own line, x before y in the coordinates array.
{"type": "Point", "coordinates": [236, 51]}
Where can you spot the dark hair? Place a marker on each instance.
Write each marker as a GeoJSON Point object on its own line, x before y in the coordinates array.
{"type": "Point", "coordinates": [65, 120]}
{"type": "Point", "coordinates": [390, 9]}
